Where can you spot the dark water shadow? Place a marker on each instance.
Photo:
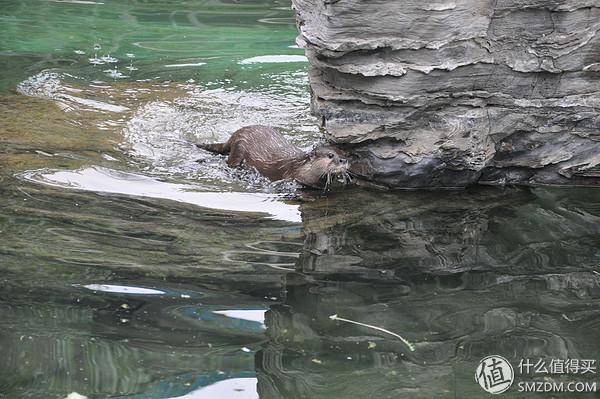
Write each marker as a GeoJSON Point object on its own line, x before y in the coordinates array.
{"type": "Point", "coordinates": [461, 275]}
{"type": "Point", "coordinates": [111, 295]}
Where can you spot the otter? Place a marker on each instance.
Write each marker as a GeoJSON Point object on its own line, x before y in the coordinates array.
{"type": "Point", "coordinates": [277, 159]}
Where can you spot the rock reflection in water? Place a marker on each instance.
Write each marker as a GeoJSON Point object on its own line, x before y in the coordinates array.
{"type": "Point", "coordinates": [461, 275]}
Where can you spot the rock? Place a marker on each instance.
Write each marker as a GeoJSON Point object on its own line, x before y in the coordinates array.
{"type": "Point", "coordinates": [451, 93]}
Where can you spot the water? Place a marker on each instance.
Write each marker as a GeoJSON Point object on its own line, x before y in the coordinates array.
{"type": "Point", "coordinates": [135, 266]}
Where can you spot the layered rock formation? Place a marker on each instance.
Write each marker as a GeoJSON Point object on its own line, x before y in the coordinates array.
{"type": "Point", "coordinates": [455, 92]}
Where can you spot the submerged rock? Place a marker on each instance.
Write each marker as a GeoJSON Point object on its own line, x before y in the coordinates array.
{"type": "Point", "coordinates": [451, 93]}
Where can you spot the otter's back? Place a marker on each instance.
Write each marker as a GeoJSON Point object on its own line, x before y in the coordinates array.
{"type": "Point", "coordinates": [263, 148]}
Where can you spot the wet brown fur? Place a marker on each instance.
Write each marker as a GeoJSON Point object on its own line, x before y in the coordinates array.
{"type": "Point", "coordinates": [276, 158]}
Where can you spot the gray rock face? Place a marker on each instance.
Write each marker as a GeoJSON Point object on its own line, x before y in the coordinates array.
{"type": "Point", "coordinates": [455, 92]}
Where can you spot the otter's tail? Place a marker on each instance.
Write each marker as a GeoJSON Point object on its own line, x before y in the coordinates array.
{"type": "Point", "coordinates": [219, 148]}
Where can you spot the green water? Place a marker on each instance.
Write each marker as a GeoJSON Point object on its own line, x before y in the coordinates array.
{"type": "Point", "coordinates": [38, 35]}
{"type": "Point", "coordinates": [135, 266]}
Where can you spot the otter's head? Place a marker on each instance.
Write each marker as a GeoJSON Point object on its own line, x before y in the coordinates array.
{"type": "Point", "coordinates": [323, 165]}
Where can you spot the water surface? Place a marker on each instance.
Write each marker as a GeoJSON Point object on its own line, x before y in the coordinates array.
{"type": "Point", "coordinates": [133, 265]}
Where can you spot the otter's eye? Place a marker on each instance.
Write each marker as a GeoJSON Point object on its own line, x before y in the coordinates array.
{"type": "Point", "coordinates": [330, 155]}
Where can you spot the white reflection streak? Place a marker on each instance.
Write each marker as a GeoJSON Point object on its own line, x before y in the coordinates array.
{"type": "Point", "coordinates": [184, 65]}
{"type": "Point", "coordinates": [274, 59]}
{"type": "Point", "coordinates": [234, 388]}
{"type": "Point", "coordinates": [244, 314]}
{"type": "Point", "coordinates": [106, 180]}
{"type": "Point", "coordinates": [123, 289]}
